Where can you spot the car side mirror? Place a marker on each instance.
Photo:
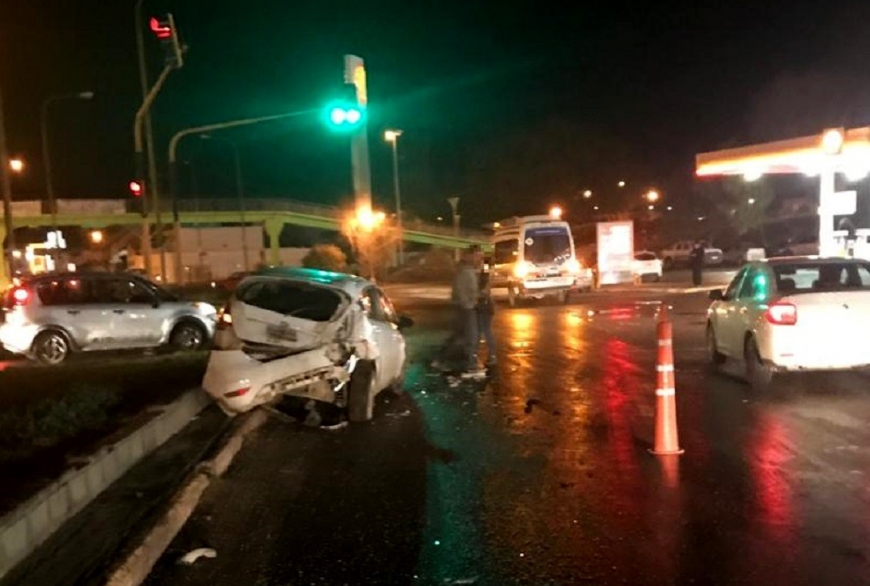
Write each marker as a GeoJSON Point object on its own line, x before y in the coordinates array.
{"type": "Point", "coordinates": [405, 322]}
{"type": "Point", "coordinates": [717, 295]}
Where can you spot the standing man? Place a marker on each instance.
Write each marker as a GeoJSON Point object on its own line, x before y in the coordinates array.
{"type": "Point", "coordinates": [485, 311]}
{"type": "Point", "coordinates": [464, 296]}
{"type": "Point", "coordinates": [698, 262]}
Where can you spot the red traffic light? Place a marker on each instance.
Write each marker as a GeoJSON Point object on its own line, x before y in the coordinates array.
{"type": "Point", "coordinates": [135, 188]}
{"type": "Point", "coordinates": [162, 30]}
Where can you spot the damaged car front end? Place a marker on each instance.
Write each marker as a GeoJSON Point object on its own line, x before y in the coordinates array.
{"type": "Point", "coordinates": [289, 338]}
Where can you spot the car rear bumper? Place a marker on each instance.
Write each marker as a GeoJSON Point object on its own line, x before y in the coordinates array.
{"type": "Point", "coordinates": [17, 339]}
{"type": "Point", "coordinates": [240, 383]}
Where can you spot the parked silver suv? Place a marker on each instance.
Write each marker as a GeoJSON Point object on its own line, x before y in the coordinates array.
{"type": "Point", "coordinates": [50, 316]}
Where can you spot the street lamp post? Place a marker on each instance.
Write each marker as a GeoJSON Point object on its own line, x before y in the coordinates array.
{"type": "Point", "coordinates": [240, 192]}
{"type": "Point", "coordinates": [46, 154]}
{"type": "Point", "coordinates": [392, 137]}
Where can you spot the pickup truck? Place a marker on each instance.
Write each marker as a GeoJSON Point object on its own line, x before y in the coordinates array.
{"type": "Point", "coordinates": [679, 254]}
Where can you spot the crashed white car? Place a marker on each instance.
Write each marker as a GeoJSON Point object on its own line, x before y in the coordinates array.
{"type": "Point", "coordinates": [306, 333]}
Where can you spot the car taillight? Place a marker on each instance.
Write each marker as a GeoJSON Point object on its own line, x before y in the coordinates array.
{"type": "Point", "coordinates": [782, 314]}
{"type": "Point", "coordinates": [20, 296]}
{"type": "Point", "coordinates": [225, 318]}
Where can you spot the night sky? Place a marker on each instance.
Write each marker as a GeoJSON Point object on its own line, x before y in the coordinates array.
{"type": "Point", "coordinates": [510, 105]}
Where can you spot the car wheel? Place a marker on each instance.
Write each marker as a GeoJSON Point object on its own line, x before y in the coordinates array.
{"type": "Point", "coordinates": [667, 263]}
{"type": "Point", "coordinates": [715, 359]}
{"type": "Point", "coordinates": [361, 392]}
{"type": "Point", "coordinates": [188, 337]}
{"type": "Point", "coordinates": [51, 347]}
{"type": "Point", "coordinates": [758, 375]}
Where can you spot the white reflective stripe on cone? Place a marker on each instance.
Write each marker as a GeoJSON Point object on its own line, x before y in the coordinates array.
{"type": "Point", "coordinates": [665, 392]}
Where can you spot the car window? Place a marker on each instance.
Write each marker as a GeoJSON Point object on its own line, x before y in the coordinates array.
{"type": "Point", "coordinates": [734, 286]}
{"type": "Point", "coordinates": [120, 291]}
{"type": "Point", "coordinates": [62, 291]}
{"type": "Point", "coordinates": [291, 298]}
{"type": "Point", "coordinates": [506, 251]}
{"type": "Point", "coordinates": [645, 256]}
{"type": "Point", "coordinates": [811, 277]}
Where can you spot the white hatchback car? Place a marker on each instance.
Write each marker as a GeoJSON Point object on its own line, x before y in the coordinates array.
{"type": "Point", "coordinates": [317, 335]}
{"type": "Point", "coordinates": [792, 314]}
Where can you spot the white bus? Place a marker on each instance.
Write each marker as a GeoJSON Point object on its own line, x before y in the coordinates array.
{"type": "Point", "coordinates": [534, 257]}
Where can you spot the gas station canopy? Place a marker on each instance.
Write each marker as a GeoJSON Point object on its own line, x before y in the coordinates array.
{"type": "Point", "coordinates": [837, 150]}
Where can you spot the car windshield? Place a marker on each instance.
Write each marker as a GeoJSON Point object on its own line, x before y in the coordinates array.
{"type": "Point", "coordinates": [810, 277]}
{"type": "Point", "coordinates": [547, 245]}
{"type": "Point", "coordinates": [291, 298]}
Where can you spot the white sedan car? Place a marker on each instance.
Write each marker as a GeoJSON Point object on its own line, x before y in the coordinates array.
{"type": "Point", "coordinates": [792, 314]}
{"type": "Point", "coordinates": [646, 265]}
{"type": "Point", "coordinates": [324, 336]}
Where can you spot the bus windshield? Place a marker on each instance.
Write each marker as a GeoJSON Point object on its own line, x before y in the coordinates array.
{"type": "Point", "coordinates": [547, 245]}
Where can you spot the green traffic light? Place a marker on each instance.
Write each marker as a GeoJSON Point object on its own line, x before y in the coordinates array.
{"type": "Point", "coordinates": [344, 116]}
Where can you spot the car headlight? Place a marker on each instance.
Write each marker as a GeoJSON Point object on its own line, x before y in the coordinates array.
{"type": "Point", "coordinates": [521, 270]}
{"type": "Point", "coordinates": [573, 266]}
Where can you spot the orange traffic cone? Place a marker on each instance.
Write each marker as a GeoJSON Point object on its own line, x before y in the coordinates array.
{"type": "Point", "coordinates": [666, 440]}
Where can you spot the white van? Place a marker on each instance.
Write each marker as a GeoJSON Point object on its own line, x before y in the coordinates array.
{"type": "Point", "coordinates": [534, 256]}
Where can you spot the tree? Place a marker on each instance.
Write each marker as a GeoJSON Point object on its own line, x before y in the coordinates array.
{"type": "Point", "coordinates": [743, 205]}
{"type": "Point", "coordinates": [326, 257]}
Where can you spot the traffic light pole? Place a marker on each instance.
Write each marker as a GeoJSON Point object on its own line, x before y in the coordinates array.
{"type": "Point", "coordinates": [140, 165]}
{"type": "Point", "coordinates": [7, 199]}
{"type": "Point", "coordinates": [173, 170]}
{"type": "Point", "coordinates": [149, 135]}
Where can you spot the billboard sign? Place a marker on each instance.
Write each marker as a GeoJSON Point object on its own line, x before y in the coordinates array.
{"type": "Point", "coordinates": [615, 252]}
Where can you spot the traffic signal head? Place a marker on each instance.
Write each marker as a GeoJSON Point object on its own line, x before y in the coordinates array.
{"type": "Point", "coordinates": [345, 113]}
{"type": "Point", "coordinates": [167, 33]}
{"type": "Point", "coordinates": [136, 188]}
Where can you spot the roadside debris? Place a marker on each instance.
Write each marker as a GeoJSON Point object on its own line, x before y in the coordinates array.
{"type": "Point", "coordinates": [203, 552]}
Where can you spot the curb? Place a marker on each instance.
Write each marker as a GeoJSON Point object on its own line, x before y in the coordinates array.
{"type": "Point", "coordinates": [137, 564]}
{"type": "Point", "coordinates": [27, 527]}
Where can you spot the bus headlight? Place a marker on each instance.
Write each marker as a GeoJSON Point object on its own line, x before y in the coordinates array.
{"type": "Point", "coordinates": [521, 270]}
{"type": "Point", "coordinates": [573, 266]}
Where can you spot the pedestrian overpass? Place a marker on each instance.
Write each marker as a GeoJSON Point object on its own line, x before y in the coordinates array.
{"type": "Point", "coordinates": [271, 215]}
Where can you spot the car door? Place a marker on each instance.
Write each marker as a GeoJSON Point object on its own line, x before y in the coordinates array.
{"type": "Point", "coordinates": [383, 334]}
{"type": "Point", "coordinates": [137, 318]}
{"type": "Point", "coordinates": [69, 303]}
{"type": "Point", "coordinates": [397, 342]}
{"type": "Point", "coordinates": [724, 314]}
{"type": "Point", "coordinates": [753, 292]}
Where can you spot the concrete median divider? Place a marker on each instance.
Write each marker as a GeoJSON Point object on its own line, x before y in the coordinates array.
{"type": "Point", "coordinates": [24, 529]}
{"type": "Point", "coordinates": [138, 561]}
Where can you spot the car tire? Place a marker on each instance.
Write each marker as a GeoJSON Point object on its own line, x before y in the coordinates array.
{"type": "Point", "coordinates": [667, 263]}
{"type": "Point", "coordinates": [759, 375]}
{"type": "Point", "coordinates": [51, 347]}
{"type": "Point", "coordinates": [361, 392]}
{"type": "Point", "coordinates": [715, 359]}
{"type": "Point", "coordinates": [398, 386]}
{"type": "Point", "coordinates": [188, 336]}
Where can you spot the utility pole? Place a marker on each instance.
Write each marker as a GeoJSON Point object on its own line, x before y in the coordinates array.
{"type": "Point", "coordinates": [7, 195]}
{"type": "Point", "coordinates": [149, 138]}
{"type": "Point", "coordinates": [355, 73]}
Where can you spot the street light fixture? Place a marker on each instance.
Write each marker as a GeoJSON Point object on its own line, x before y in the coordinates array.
{"type": "Point", "coordinates": [16, 165]}
{"type": "Point", "coordinates": [621, 184]}
{"type": "Point", "coordinates": [97, 236]}
{"type": "Point", "coordinates": [652, 195]}
{"type": "Point", "coordinates": [587, 194]}
{"type": "Point", "coordinates": [392, 137]}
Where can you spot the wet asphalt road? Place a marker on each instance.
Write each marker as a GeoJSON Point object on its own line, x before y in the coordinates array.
{"type": "Point", "coordinates": [475, 484]}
